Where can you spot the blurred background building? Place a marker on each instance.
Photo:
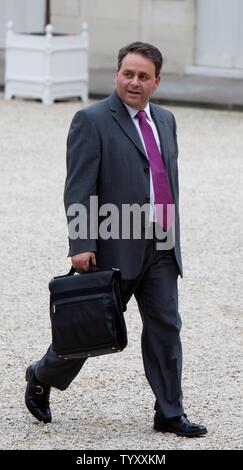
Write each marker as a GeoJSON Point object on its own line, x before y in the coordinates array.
{"type": "Point", "coordinates": [198, 38]}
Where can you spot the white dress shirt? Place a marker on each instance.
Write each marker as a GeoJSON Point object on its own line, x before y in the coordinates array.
{"type": "Point", "coordinates": [133, 112]}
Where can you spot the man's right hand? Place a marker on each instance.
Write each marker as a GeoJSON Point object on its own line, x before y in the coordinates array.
{"type": "Point", "coordinates": [84, 260]}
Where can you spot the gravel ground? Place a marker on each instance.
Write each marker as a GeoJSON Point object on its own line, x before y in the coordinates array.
{"type": "Point", "coordinates": [110, 404]}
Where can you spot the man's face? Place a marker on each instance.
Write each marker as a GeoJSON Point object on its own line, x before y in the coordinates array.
{"type": "Point", "coordinates": [136, 80]}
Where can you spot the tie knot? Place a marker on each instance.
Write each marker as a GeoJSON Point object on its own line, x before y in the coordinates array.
{"type": "Point", "coordinates": [141, 115]}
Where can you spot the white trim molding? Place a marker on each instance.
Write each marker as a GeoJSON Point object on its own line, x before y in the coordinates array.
{"type": "Point", "coordinates": [214, 71]}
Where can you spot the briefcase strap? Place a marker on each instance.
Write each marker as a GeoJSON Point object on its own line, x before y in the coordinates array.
{"type": "Point", "coordinates": [71, 272]}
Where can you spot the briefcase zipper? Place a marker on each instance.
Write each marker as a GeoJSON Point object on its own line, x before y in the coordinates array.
{"type": "Point", "coordinates": [74, 293]}
{"type": "Point", "coordinates": [77, 300]}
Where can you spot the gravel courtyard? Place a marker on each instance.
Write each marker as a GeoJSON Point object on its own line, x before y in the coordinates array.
{"type": "Point", "coordinates": [110, 405]}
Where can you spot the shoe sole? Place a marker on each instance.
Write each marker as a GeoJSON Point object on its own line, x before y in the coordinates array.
{"type": "Point", "coordinates": [27, 378]}
{"type": "Point", "coordinates": [178, 433]}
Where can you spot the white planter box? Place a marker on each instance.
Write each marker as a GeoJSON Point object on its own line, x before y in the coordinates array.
{"type": "Point", "coordinates": [46, 66]}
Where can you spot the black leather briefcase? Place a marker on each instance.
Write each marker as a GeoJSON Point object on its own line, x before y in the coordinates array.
{"type": "Point", "coordinates": [86, 313]}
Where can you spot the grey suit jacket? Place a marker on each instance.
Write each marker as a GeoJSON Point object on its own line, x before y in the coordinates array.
{"type": "Point", "coordinates": [105, 157]}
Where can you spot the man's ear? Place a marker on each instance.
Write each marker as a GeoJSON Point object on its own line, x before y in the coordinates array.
{"type": "Point", "coordinates": [157, 82]}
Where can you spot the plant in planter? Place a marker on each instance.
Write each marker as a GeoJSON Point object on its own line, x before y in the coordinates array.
{"type": "Point", "coordinates": [45, 65]}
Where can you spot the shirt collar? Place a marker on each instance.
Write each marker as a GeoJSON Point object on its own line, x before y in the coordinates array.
{"type": "Point", "coordinates": [133, 111]}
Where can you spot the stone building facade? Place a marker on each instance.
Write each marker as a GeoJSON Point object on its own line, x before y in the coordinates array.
{"type": "Point", "coordinates": [196, 36]}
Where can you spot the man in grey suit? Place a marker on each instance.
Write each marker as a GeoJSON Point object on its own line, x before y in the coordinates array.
{"type": "Point", "coordinates": [124, 151]}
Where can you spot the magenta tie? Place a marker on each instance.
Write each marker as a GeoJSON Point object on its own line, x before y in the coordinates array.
{"type": "Point", "coordinates": [162, 192]}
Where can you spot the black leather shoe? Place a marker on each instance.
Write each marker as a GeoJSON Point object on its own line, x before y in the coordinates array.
{"type": "Point", "coordinates": [179, 425]}
{"type": "Point", "coordinates": [37, 396]}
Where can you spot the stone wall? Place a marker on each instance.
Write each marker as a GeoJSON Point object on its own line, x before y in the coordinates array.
{"type": "Point", "coordinates": [168, 24]}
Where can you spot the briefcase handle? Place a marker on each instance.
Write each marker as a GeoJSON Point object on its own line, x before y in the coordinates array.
{"type": "Point", "coordinates": [73, 270]}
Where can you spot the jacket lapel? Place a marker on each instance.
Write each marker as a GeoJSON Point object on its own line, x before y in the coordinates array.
{"type": "Point", "coordinates": [121, 115]}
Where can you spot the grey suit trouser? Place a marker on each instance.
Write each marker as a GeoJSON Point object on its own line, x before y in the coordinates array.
{"type": "Point", "coordinates": [155, 290]}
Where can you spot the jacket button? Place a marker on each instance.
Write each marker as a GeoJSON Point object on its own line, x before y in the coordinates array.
{"type": "Point", "coordinates": [147, 199]}
{"type": "Point", "coordinates": [146, 169]}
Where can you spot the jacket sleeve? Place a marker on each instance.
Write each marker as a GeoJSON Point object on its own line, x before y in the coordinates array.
{"type": "Point", "coordinates": [83, 159]}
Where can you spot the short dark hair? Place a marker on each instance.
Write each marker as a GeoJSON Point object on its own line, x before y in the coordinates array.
{"type": "Point", "coordinates": [144, 49]}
